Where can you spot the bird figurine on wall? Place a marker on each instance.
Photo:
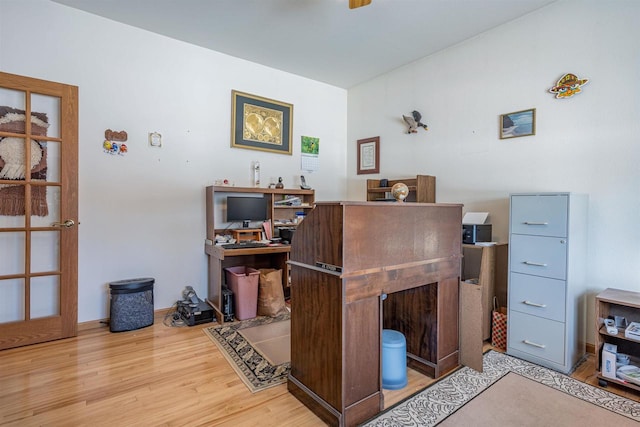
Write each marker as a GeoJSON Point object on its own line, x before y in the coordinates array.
{"type": "Point", "coordinates": [414, 122]}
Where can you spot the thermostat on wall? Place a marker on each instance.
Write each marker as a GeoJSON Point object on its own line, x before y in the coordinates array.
{"type": "Point", "coordinates": [155, 139]}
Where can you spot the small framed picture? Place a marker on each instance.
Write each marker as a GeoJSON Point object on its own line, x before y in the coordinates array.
{"type": "Point", "coordinates": [518, 123]}
{"type": "Point", "coordinates": [369, 155]}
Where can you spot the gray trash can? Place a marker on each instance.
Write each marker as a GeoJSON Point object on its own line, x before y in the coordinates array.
{"type": "Point", "coordinates": [131, 304]}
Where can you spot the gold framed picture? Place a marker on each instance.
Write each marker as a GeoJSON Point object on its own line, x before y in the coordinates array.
{"type": "Point", "coordinates": [369, 155]}
{"type": "Point", "coordinates": [259, 123]}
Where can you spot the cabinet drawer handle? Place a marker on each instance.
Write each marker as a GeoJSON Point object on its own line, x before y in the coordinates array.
{"type": "Point", "coordinates": [534, 304]}
{"type": "Point", "coordinates": [534, 344]}
{"type": "Point", "coordinates": [537, 264]}
{"type": "Point", "coordinates": [535, 223]}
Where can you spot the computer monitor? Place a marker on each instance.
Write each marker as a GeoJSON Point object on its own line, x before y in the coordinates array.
{"type": "Point", "coordinates": [246, 209]}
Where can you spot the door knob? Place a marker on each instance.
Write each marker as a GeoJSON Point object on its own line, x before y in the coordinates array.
{"type": "Point", "coordinates": [67, 224]}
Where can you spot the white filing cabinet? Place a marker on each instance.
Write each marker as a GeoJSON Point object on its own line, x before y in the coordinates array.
{"type": "Point", "coordinates": [546, 321]}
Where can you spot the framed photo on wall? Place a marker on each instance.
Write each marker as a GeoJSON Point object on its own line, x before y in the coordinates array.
{"type": "Point", "coordinates": [369, 155]}
{"type": "Point", "coordinates": [518, 123]}
{"type": "Point", "coordinates": [259, 123]}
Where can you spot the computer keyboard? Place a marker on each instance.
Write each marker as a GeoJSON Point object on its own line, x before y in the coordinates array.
{"type": "Point", "coordinates": [244, 245]}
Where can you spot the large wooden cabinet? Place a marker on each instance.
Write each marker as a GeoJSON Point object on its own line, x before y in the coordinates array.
{"type": "Point", "coordinates": [610, 303]}
{"type": "Point", "coordinates": [422, 189]}
{"type": "Point", "coordinates": [345, 258]}
{"type": "Point", "coordinates": [547, 281]}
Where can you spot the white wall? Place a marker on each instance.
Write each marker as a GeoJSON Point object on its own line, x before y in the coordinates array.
{"type": "Point", "coordinates": [142, 214]}
{"type": "Point", "coordinates": [585, 144]}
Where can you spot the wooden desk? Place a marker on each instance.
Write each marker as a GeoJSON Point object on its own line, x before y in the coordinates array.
{"type": "Point", "coordinates": [345, 256]}
{"type": "Point", "coordinates": [220, 258]}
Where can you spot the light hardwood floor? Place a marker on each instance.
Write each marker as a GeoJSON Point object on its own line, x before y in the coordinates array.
{"type": "Point", "coordinates": [157, 375]}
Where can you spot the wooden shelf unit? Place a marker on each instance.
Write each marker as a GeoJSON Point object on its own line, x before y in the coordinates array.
{"type": "Point", "coordinates": [247, 234]}
{"type": "Point", "coordinates": [616, 302]}
{"type": "Point", "coordinates": [422, 189]}
{"type": "Point", "coordinates": [277, 214]}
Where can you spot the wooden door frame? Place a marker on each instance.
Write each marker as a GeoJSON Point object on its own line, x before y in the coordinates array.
{"type": "Point", "coordinates": [64, 325]}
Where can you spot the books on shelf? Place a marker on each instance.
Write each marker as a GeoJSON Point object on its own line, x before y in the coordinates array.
{"type": "Point", "coordinates": [629, 373]}
{"type": "Point", "coordinates": [288, 201]}
{"type": "Point", "coordinates": [267, 230]}
{"type": "Point", "coordinates": [633, 331]}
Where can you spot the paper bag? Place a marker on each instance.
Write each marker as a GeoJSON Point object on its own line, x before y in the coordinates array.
{"type": "Point", "coordinates": [270, 294]}
{"type": "Point", "coordinates": [498, 326]}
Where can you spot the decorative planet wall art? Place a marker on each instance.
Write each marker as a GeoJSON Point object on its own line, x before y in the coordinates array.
{"type": "Point", "coordinates": [568, 85]}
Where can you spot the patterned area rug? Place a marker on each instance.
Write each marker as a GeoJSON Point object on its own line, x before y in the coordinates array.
{"type": "Point", "coordinates": [252, 367]}
{"type": "Point", "coordinates": [434, 404]}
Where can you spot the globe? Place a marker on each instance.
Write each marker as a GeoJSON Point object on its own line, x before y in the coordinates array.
{"type": "Point", "coordinates": [400, 191]}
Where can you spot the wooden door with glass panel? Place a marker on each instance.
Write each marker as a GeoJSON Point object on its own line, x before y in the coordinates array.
{"type": "Point", "coordinates": [38, 210]}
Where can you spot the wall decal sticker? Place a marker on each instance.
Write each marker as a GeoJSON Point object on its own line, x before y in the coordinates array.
{"type": "Point", "coordinates": [114, 142]}
{"type": "Point", "coordinates": [568, 85]}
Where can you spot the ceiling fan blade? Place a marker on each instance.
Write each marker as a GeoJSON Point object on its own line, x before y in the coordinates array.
{"type": "Point", "coordinates": [358, 3]}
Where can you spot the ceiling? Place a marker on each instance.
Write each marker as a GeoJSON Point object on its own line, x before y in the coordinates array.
{"type": "Point", "coordinates": [322, 40]}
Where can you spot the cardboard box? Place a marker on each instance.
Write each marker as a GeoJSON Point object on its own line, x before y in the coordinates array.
{"type": "Point", "coordinates": [609, 360]}
{"type": "Point", "coordinates": [471, 311]}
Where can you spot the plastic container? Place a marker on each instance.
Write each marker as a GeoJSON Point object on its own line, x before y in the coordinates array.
{"type": "Point", "coordinates": [243, 282]}
{"type": "Point", "coordinates": [394, 360]}
{"type": "Point", "coordinates": [131, 304]}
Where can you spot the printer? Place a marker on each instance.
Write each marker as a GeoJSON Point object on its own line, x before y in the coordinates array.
{"type": "Point", "coordinates": [474, 229]}
{"type": "Point", "coordinates": [286, 233]}
{"type": "Point", "coordinates": [472, 233]}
